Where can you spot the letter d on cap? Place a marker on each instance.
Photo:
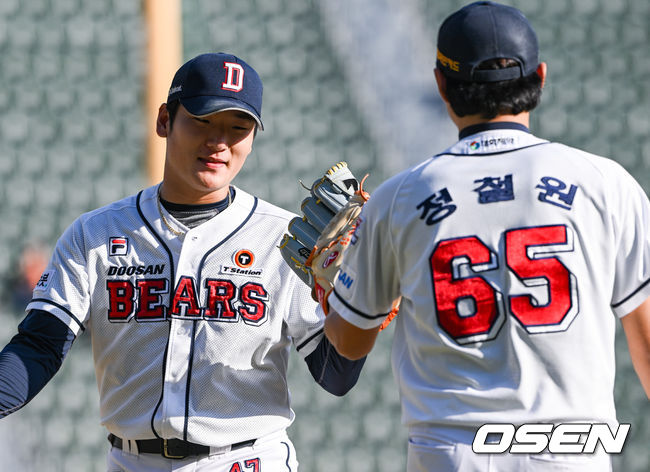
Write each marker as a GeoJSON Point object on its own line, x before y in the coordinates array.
{"type": "Point", "coordinates": [234, 77]}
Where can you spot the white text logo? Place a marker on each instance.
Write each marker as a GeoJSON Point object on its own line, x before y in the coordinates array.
{"type": "Point", "coordinates": [568, 438]}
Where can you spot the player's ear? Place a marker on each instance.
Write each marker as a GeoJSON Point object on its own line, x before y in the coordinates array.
{"type": "Point", "coordinates": [541, 71]}
{"type": "Point", "coordinates": [441, 80]}
{"type": "Point", "coordinates": [162, 122]}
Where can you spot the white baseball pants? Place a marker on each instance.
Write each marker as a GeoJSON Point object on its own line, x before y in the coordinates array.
{"type": "Point", "coordinates": [272, 453]}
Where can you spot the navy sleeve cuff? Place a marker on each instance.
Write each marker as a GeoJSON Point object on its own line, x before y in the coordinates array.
{"type": "Point", "coordinates": [31, 359]}
{"type": "Point", "coordinates": [333, 372]}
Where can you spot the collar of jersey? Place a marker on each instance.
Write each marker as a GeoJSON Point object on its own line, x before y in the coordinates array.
{"type": "Point", "coordinates": [489, 126]}
{"type": "Point", "coordinates": [492, 139]}
{"type": "Point", "coordinates": [218, 227]}
{"type": "Point", "coordinates": [181, 208]}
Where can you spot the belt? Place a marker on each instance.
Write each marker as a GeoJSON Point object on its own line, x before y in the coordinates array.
{"type": "Point", "coordinates": [174, 448]}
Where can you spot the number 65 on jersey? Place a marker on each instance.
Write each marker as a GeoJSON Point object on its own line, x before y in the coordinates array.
{"type": "Point", "coordinates": [473, 289]}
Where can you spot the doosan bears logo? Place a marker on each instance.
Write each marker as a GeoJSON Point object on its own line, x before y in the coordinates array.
{"type": "Point", "coordinates": [221, 300]}
{"type": "Point", "coordinates": [144, 293]}
{"type": "Point", "coordinates": [234, 77]}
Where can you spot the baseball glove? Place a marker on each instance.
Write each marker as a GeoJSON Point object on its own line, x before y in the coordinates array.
{"type": "Point", "coordinates": [328, 195]}
{"type": "Point", "coordinates": [316, 243]}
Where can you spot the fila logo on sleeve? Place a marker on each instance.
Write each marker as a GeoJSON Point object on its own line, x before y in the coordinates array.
{"type": "Point", "coordinates": [234, 77]}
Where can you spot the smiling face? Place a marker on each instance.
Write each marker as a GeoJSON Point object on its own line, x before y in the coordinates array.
{"type": "Point", "coordinates": [204, 153]}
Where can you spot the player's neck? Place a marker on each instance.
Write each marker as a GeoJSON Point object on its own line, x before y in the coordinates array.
{"type": "Point", "coordinates": [463, 122]}
{"type": "Point", "coordinates": [189, 197]}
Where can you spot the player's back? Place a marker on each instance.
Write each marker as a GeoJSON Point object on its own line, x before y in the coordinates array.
{"type": "Point", "coordinates": [509, 271]}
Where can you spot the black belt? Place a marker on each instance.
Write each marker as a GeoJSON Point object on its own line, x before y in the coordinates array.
{"type": "Point", "coordinates": [173, 448]}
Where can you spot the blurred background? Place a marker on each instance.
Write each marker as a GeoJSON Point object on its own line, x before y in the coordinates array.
{"type": "Point", "coordinates": [344, 80]}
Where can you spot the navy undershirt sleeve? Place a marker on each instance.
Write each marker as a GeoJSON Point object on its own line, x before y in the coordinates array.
{"type": "Point", "coordinates": [330, 370]}
{"type": "Point", "coordinates": [31, 359]}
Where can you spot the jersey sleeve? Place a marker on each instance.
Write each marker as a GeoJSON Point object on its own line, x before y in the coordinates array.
{"type": "Point", "coordinates": [632, 265]}
{"type": "Point", "coordinates": [368, 281]}
{"type": "Point", "coordinates": [305, 318]}
{"type": "Point", "coordinates": [63, 289]}
{"type": "Point", "coordinates": [31, 359]}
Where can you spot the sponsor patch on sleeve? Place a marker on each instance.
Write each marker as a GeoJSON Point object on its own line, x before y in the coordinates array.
{"type": "Point", "coordinates": [345, 280]}
{"type": "Point", "coordinates": [45, 280]}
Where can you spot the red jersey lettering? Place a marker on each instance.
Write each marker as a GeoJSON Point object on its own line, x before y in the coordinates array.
{"type": "Point", "coordinates": [254, 298]}
{"type": "Point", "coordinates": [220, 296]}
{"type": "Point", "coordinates": [150, 306]}
{"type": "Point", "coordinates": [185, 301]}
{"type": "Point", "coordinates": [121, 299]}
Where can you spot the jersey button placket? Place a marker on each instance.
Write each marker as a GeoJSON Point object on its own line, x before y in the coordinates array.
{"type": "Point", "coordinates": [176, 377]}
{"type": "Point", "coordinates": [178, 353]}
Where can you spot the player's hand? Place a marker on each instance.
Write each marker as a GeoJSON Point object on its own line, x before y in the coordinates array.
{"type": "Point", "coordinates": [327, 255]}
{"type": "Point", "coordinates": [315, 245]}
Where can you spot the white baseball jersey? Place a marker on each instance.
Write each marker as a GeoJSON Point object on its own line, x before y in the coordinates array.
{"type": "Point", "coordinates": [190, 335]}
{"type": "Point", "coordinates": [512, 254]}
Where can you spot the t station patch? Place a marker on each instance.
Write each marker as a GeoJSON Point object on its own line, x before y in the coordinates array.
{"type": "Point", "coordinates": [244, 260]}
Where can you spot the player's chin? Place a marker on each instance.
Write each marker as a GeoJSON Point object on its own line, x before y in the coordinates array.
{"type": "Point", "coordinates": [210, 180]}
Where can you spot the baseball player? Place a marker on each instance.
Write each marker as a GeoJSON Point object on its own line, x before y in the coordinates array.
{"type": "Point", "coordinates": [190, 307]}
{"type": "Point", "coordinates": [513, 257]}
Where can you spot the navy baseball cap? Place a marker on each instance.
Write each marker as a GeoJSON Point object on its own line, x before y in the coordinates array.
{"type": "Point", "coordinates": [216, 82]}
{"type": "Point", "coordinates": [482, 31]}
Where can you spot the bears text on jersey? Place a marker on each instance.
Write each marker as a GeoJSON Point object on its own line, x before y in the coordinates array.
{"type": "Point", "coordinates": [143, 299]}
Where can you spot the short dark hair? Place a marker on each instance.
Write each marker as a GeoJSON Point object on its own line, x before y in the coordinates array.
{"type": "Point", "coordinates": [172, 109]}
{"type": "Point", "coordinates": [490, 99]}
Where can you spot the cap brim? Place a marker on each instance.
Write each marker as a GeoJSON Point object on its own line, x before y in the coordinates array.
{"type": "Point", "coordinates": [203, 106]}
